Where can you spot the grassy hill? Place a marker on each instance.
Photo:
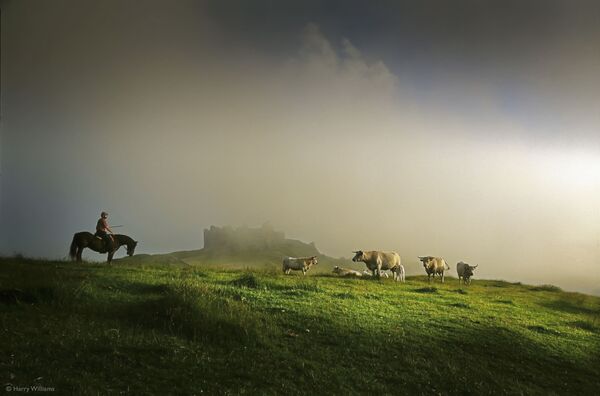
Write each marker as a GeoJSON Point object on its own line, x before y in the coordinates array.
{"type": "Point", "coordinates": [245, 255]}
{"type": "Point", "coordinates": [143, 327]}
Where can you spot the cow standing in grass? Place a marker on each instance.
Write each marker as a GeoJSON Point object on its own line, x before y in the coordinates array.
{"type": "Point", "coordinates": [298, 264]}
{"type": "Point", "coordinates": [434, 266]}
{"type": "Point", "coordinates": [377, 261]}
{"type": "Point", "coordinates": [465, 272]}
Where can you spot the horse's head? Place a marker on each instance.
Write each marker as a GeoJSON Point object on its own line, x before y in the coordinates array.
{"type": "Point", "coordinates": [131, 247]}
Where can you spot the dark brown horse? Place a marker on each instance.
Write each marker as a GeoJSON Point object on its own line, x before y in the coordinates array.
{"type": "Point", "coordinates": [82, 240]}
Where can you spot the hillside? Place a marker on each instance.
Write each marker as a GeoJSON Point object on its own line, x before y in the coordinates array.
{"type": "Point", "coordinates": [244, 247]}
{"type": "Point", "coordinates": [147, 328]}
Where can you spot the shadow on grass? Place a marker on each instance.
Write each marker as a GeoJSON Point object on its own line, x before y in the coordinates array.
{"type": "Point", "coordinates": [460, 305]}
{"type": "Point", "coordinates": [426, 290]}
{"type": "Point", "coordinates": [27, 296]}
{"type": "Point", "coordinates": [197, 315]}
{"type": "Point", "coordinates": [345, 295]}
{"type": "Point", "coordinates": [493, 283]}
{"type": "Point", "coordinates": [248, 280]}
{"type": "Point", "coordinates": [586, 325]}
{"type": "Point", "coordinates": [549, 288]}
{"type": "Point", "coordinates": [571, 306]}
{"type": "Point", "coordinates": [499, 360]}
{"type": "Point", "coordinates": [543, 330]}
{"type": "Point", "coordinates": [131, 287]}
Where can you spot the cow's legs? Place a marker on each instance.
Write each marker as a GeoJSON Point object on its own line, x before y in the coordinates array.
{"type": "Point", "coordinates": [442, 277]}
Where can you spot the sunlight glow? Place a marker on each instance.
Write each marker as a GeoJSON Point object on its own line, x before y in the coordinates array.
{"type": "Point", "coordinates": [573, 169]}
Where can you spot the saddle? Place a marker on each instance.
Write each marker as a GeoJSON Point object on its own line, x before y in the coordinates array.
{"type": "Point", "coordinates": [104, 247]}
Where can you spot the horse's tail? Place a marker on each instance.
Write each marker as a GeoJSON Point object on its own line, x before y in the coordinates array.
{"type": "Point", "coordinates": [73, 249]}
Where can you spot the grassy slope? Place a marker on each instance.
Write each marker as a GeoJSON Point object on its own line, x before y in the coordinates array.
{"type": "Point", "coordinates": [266, 259]}
{"type": "Point", "coordinates": [138, 328]}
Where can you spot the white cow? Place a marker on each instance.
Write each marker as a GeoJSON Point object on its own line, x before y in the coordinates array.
{"type": "Point", "coordinates": [298, 264]}
{"type": "Point", "coordinates": [346, 272]}
{"type": "Point", "coordinates": [377, 261]}
{"type": "Point", "coordinates": [372, 273]}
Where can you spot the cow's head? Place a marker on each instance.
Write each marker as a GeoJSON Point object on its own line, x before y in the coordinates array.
{"type": "Point", "coordinates": [313, 260]}
{"type": "Point", "coordinates": [425, 260]}
{"type": "Point", "coordinates": [359, 255]}
{"type": "Point", "coordinates": [469, 270]}
{"type": "Point", "coordinates": [336, 269]}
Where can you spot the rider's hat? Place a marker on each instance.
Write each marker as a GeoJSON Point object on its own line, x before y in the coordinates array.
{"type": "Point", "coordinates": [103, 214]}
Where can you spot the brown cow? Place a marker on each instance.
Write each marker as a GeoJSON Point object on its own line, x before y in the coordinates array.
{"type": "Point", "coordinates": [433, 266]}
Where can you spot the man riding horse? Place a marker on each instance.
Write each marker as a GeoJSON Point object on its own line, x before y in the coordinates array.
{"type": "Point", "coordinates": [103, 230]}
{"type": "Point", "coordinates": [103, 241]}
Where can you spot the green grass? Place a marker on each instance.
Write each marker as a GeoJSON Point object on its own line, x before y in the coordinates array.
{"type": "Point", "coordinates": [185, 329]}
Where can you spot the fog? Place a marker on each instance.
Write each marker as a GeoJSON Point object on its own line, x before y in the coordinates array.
{"type": "Point", "coordinates": [173, 118]}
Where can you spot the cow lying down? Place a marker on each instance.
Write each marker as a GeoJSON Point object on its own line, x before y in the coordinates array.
{"type": "Point", "coordinates": [298, 264]}
{"type": "Point", "coordinates": [369, 273]}
{"type": "Point", "coordinates": [345, 271]}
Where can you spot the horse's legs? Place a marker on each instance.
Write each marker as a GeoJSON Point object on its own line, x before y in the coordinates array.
{"type": "Point", "coordinates": [110, 256]}
{"type": "Point", "coordinates": [79, 252]}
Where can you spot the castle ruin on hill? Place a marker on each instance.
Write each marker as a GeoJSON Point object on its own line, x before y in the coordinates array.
{"type": "Point", "coordinates": [242, 238]}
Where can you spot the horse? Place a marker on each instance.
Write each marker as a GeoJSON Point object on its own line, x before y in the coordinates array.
{"type": "Point", "coordinates": [82, 240]}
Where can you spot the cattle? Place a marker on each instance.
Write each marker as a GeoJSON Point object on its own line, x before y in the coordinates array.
{"type": "Point", "coordinates": [401, 273]}
{"type": "Point", "coordinates": [298, 264]}
{"type": "Point", "coordinates": [384, 273]}
{"type": "Point", "coordinates": [434, 266]}
{"type": "Point", "coordinates": [465, 271]}
{"type": "Point", "coordinates": [377, 261]}
{"type": "Point", "coordinates": [371, 273]}
{"type": "Point", "coordinates": [346, 272]}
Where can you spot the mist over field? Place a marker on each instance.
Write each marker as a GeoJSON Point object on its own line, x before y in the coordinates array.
{"type": "Point", "coordinates": [390, 129]}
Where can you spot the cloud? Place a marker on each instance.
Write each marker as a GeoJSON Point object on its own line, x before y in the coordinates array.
{"type": "Point", "coordinates": [325, 142]}
{"type": "Point", "coordinates": [345, 69]}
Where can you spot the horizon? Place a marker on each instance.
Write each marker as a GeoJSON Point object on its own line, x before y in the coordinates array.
{"type": "Point", "coordinates": [468, 131]}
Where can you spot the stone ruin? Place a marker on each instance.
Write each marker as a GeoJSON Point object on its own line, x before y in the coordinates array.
{"type": "Point", "coordinates": [242, 238]}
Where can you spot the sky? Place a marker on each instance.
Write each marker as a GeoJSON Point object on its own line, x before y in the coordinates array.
{"type": "Point", "coordinates": [467, 129]}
